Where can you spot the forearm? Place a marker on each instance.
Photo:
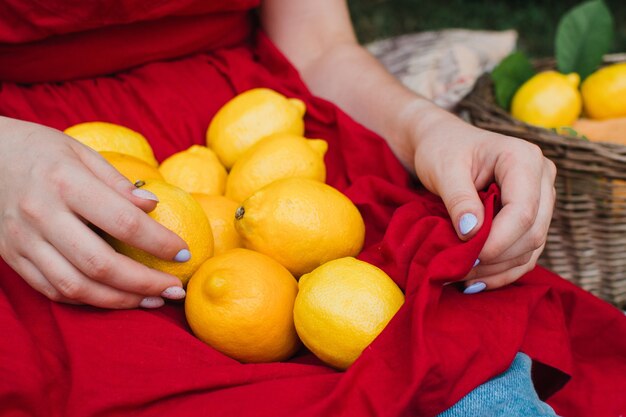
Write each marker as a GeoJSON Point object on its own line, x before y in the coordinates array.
{"type": "Point", "coordinates": [349, 76]}
{"type": "Point", "coordinates": [318, 39]}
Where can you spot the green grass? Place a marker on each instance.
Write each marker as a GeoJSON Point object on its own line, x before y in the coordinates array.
{"type": "Point", "coordinates": [535, 20]}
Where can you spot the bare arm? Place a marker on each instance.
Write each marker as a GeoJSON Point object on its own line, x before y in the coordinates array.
{"type": "Point", "coordinates": [319, 40]}
{"type": "Point", "coordinates": [451, 158]}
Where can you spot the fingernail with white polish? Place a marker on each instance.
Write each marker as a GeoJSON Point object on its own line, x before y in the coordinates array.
{"type": "Point", "coordinates": [145, 194]}
{"type": "Point", "coordinates": [173, 293]}
{"type": "Point", "coordinates": [467, 223]}
{"type": "Point", "coordinates": [183, 256]}
{"type": "Point", "coordinates": [152, 302]}
{"type": "Point", "coordinates": [476, 262]}
{"type": "Point", "coordinates": [475, 288]}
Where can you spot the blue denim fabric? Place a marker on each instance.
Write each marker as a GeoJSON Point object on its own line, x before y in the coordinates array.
{"type": "Point", "coordinates": [510, 394]}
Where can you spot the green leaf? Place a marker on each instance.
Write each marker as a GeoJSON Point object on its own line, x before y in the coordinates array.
{"type": "Point", "coordinates": [584, 35]}
{"type": "Point", "coordinates": [509, 75]}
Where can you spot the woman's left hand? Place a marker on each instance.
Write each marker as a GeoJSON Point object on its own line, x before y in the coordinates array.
{"type": "Point", "coordinates": [454, 159]}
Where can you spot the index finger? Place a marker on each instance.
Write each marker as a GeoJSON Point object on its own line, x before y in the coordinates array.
{"type": "Point", "coordinates": [104, 207]}
{"type": "Point", "coordinates": [520, 186]}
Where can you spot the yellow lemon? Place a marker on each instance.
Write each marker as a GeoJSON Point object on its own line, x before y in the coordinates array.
{"type": "Point", "coordinates": [604, 92]}
{"type": "Point", "coordinates": [195, 170]}
{"type": "Point", "coordinates": [342, 306]}
{"type": "Point", "coordinates": [241, 303]}
{"type": "Point", "coordinates": [274, 157]}
{"type": "Point", "coordinates": [301, 223]}
{"type": "Point", "coordinates": [181, 213]}
{"type": "Point", "coordinates": [549, 99]}
{"type": "Point", "coordinates": [250, 116]}
{"type": "Point", "coordinates": [132, 168]}
{"type": "Point", "coordinates": [103, 136]}
{"type": "Point", "coordinates": [221, 214]}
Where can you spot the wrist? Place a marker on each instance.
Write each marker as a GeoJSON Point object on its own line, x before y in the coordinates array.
{"type": "Point", "coordinates": [411, 125]}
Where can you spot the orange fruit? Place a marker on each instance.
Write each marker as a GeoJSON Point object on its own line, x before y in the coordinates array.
{"type": "Point", "coordinates": [241, 303]}
{"type": "Point", "coordinates": [220, 211]}
{"type": "Point", "coordinates": [195, 170]}
{"type": "Point", "coordinates": [132, 168]}
{"type": "Point", "coordinates": [181, 213]}
{"type": "Point", "coordinates": [301, 223]}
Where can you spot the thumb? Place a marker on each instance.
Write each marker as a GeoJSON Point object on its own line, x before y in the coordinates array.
{"type": "Point", "coordinates": [463, 204]}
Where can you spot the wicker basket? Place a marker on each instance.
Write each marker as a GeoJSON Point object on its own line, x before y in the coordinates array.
{"type": "Point", "coordinates": [587, 238]}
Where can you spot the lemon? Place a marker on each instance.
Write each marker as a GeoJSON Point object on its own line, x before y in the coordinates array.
{"type": "Point", "coordinates": [301, 223]}
{"type": "Point", "coordinates": [342, 306]}
{"type": "Point", "coordinates": [103, 136]}
{"type": "Point", "coordinates": [221, 214]}
{"type": "Point", "coordinates": [274, 157]}
{"type": "Point", "coordinates": [195, 170]}
{"type": "Point", "coordinates": [604, 92]}
{"type": "Point", "coordinates": [549, 99]}
{"type": "Point", "coordinates": [181, 213]}
{"type": "Point", "coordinates": [132, 168]}
{"type": "Point", "coordinates": [241, 303]}
{"type": "Point", "coordinates": [250, 116]}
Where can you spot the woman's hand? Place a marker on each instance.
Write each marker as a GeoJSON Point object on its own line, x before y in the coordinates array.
{"type": "Point", "coordinates": [51, 189]}
{"type": "Point", "coordinates": [454, 159]}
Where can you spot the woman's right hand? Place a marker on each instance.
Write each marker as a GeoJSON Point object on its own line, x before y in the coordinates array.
{"type": "Point", "coordinates": [51, 189]}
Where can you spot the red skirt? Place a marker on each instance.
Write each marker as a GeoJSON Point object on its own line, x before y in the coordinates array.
{"type": "Point", "coordinates": [64, 360]}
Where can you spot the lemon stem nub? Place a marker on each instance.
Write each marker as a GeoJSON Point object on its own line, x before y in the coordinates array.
{"type": "Point", "coordinates": [139, 183]}
{"type": "Point", "coordinates": [239, 213]}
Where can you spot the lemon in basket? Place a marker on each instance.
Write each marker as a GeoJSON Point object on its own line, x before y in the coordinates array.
{"type": "Point", "coordinates": [549, 99]}
{"type": "Point", "coordinates": [604, 92]}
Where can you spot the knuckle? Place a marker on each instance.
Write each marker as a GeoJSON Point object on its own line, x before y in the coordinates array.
{"type": "Point", "coordinates": [488, 254]}
{"type": "Point", "coordinates": [97, 267]}
{"type": "Point", "coordinates": [537, 240]}
{"type": "Point", "coordinates": [13, 231]}
{"type": "Point", "coordinates": [536, 151]}
{"type": "Point", "coordinates": [458, 202]}
{"type": "Point", "coordinates": [527, 217]}
{"type": "Point", "coordinates": [31, 207]}
{"type": "Point", "coordinates": [127, 223]}
{"type": "Point", "coordinates": [52, 294]}
{"type": "Point", "coordinates": [522, 260]}
{"type": "Point", "coordinates": [552, 170]}
{"type": "Point", "coordinates": [58, 176]}
{"type": "Point", "coordinates": [70, 288]}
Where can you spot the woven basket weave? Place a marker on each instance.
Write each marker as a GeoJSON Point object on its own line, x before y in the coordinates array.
{"type": "Point", "coordinates": [587, 238]}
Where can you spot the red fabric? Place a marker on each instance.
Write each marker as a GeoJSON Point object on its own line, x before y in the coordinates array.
{"type": "Point", "coordinates": [62, 360]}
{"type": "Point", "coordinates": [63, 40]}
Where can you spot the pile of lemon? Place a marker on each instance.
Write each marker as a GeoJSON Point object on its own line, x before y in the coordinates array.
{"type": "Point", "coordinates": [273, 246]}
{"type": "Point", "coordinates": [595, 109]}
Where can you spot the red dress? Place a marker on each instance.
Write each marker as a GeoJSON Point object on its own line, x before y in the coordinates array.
{"type": "Point", "coordinates": [164, 69]}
